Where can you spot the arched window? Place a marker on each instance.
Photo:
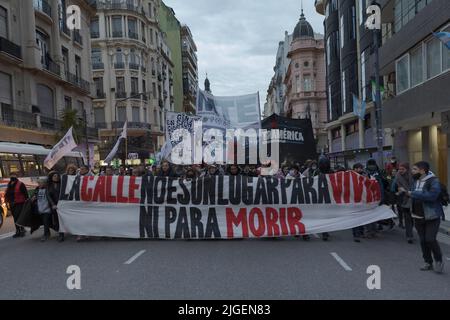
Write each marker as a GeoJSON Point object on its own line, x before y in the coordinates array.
{"type": "Point", "coordinates": [46, 101]}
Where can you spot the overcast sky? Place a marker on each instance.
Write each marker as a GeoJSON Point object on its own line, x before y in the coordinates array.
{"type": "Point", "coordinates": [237, 40]}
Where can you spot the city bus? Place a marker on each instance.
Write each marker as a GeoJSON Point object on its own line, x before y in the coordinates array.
{"type": "Point", "coordinates": [28, 161]}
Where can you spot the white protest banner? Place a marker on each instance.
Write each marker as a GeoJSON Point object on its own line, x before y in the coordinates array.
{"type": "Point", "coordinates": [114, 150]}
{"type": "Point", "coordinates": [62, 148]}
{"type": "Point", "coordinates": [219, 207]}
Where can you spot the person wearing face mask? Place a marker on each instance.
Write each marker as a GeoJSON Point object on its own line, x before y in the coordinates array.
{"type": "Point", "coordinates": [15, 197]}
{"type": "Point", "coordinates": [427, 211]}
{"type": "Point", "coordinates": [312, 169]}
{"type": "Point", "coordinates": [294, 173]}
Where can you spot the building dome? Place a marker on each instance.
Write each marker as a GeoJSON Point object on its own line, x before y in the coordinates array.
{"type": "Point", "coordinates": [303, 29]}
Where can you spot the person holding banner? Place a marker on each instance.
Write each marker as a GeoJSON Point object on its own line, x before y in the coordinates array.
{"type": "Point", "coordinates": [166, 170]}
{"type": "Point", "coordinates": [44, 208]}
{"type": "Point", "coordinates": [54, 188]}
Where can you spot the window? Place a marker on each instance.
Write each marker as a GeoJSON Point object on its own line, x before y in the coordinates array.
{"type": "Point", "coordinates": [342, 31]}
{"type": "Point", "coordinates": [151, 36]}
{"type": "Point", "coordinates": [78, 67]}
{"type": "Point", "coordinates": [95, 29]}
{"type": "Point", "coordinates": [363, 75]}
{"type": "Point", "coordinates": [445, 55]}
{"type": "Point", "coordinates": [122, 113]}
{"type": "Point", "coordinates": [298, 84]}
{"type": "Point", "coordinates": [330, 112]}
{"type": "Point", "coordinates": [134, 86]}
{"type": "Point", "coordinates": [328, 53]}
{"type": "Point", "coordinates": [344, 92]}
{"type": "Point", "coordinates": [96, 56]}
{"type": "Point", "coordinates": [351, 128]}
{"type": "Point", "coordinates": [416, 66]}
{"type": "Point", "coordinates": [154, 90]}
{"type": "Point", "coordinates": [119, 59]}
{"type": "Point", "coordinates": [144, 87]}
{"type": "Point", "coordinates": [143, 31]}
{"type": "Point", "coordinates": [405, 10]}
{"type": "Point", "coordinates": [155, 117]}
{"type": "Point", "coordinates": [6, 100]}
{"type": "Point", "coordinates": [336, 133]}
{"type": "Point", "coordinates": [65, 56]}
{"type": "Point", "coordinates": [433, 49]}
{"type": "Point", "coordinates": [120, 84]}
{"type": "Point", "coordinates": [145, 116]}
{"type": "Point", "coordinates": [362, 11]}
{"type": "Point", "coordinates": [307, 83]}
{"type": "Point", "coordinates": [46, 102]}
{"type": "Point", "coordinates": [99, 114]}
{"type": "Point", "coordinates": [42, 41]}
{"type": "Point", "coordinates": [62, 16]}
{"type": "Point", "coordinates": [80, 107]}
{"type": "Point", "coordinates": [306, 64]}
{"type": "Point", "coordinates": [3, 23]}
{"type": "Point", "coordinates": [132, 28]}
{"type": "Point", "coordinates": [353, 22]}
{"type": "Point", "coordinates": [67, 103]}
{"type": "Point", "coordinates": [136, 114]}
{"type": "Point", "coordinates": [402, 71]}
{"type": "Point", "coordinates": [150, 11]}
{"type": "Point", "coordinates": [98, 82]}
{"type": "Point", "coordinates": [117, 27]}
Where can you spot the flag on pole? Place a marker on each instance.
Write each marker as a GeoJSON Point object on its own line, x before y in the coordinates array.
{"type": "Point", "coordinates": [374, 90]}
{"type": "Point", "coordinates": [113, 152]}
{"type": "Point", "coordinates": [444, 37]}
{"type": "Point", "coordinates": [62, 148]}
{"type": "Point", "coordinates": [359, 108]}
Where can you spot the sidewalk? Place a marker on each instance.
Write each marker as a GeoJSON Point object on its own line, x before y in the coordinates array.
{"type": "Point", "coordinates": [445, 225]}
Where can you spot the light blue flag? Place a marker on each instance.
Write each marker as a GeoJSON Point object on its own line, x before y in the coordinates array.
{"type": "Point", "coordinates": [444, 37]}
{"type": "Point", "coordinates": [359, 108]}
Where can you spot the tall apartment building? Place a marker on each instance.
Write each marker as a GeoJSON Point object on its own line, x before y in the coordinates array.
{"type": "Point", "coordinates": [132, 73]}
{"type": "Point", "coordinates": [305, 96]}
{"type": "Point", "coordinates": [44, 69]}
{"type": "Point", "coordinates": [190, 70]}
{"type": "Point", "coordinates": [171, 31]}
{"type": "Point", "coordinates": [349, 65]}
{"type": "Point", "coordinates": [276, 94]}
{"type": "Point", "coordinates": [416, 69]}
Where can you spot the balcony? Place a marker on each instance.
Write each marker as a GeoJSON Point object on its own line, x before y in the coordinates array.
{"type": "Point", "coordinates": [117, 34]}
{"type": "Point", "coordinates": [77, 37]}
{"type": "Point", "coordinates": [98, 66]}
{"type": "Point", "coordinates": [10, 48]}
{"type": "Point", "coordinates": [139, 125]}
{"type": "Point", "coordinates": [118, 6]}
{"type": "Point", "coordinates": [78, 81]}
{"type": "Point", "coordinates": [92, 132]}
{"type": "Point", "coordinates": [100, 95]}
{"type": "Point", "coordinates": [121, 95]}
{"type": "Point", "coordinates": [133, 66]}
{"type": "Point", "coordinates": [43, 6]}
{"type": "Point", "coordinates": [18, 119]}
{"type": "Point", "coordinates": [133, 35]}
{"type": "Point", "coordinates": [101, 125]}
{"type": "Point", "coordinates": [135, 95]}
{"type": "Point", "coordinates": [63, 28]}
{"type": "Point", "coordinates": [50, 123]}
{"type": "Point", "coordinates": [52, 67]}
{"type": "Point", "coordinates": [119, 65]}
{"type": "Point", "coordinates": [143, 69]}
{"type": "Point", "coordinates": [95, 34]}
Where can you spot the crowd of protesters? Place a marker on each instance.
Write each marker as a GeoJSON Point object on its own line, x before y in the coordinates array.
{"type": "Point", "coordinates": [414, 193]}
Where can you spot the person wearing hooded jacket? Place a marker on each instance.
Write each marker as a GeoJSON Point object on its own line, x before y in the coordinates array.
{"type": "Point", "coordinates": [427, 212]}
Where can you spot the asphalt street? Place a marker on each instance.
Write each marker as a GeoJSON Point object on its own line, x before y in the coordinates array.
{"type": "Point", "coordinates": [240, 269]}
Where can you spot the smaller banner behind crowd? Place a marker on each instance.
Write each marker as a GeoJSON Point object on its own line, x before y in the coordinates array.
{"type": "Point", "coordinates": [234, 112]}
{"type": "Point", "coordinates": [296, 138]}
{"type": "Point", "coordinates": [218, 207]}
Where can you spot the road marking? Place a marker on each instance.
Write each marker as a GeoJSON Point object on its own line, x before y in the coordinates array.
{"type": "Point", "coordinates": [7, 235]}
{"type": "Point", "coordinates": [316, 235]}
{"type": "Point", "coordinates": [133, 258]}
{"type": "Point", "coordinates": [341, 262]}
